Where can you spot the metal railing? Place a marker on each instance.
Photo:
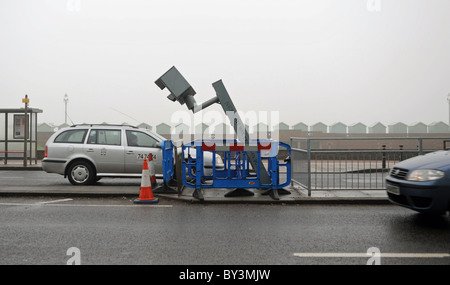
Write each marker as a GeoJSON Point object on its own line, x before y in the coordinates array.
{"type": "Point", "coordinates": [352, 163]}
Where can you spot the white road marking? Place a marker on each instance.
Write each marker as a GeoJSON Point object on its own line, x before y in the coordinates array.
{"type": "Point", "coordinates": [358, 254]}
{"type": "Point", "coordinates": [12, 177]}
{"type": "Point", "coordinates": [55, 201]}
{"type": "Point", "coordinates": [145, 206]}
{"type": "Point", "coordinates": [85, 205]}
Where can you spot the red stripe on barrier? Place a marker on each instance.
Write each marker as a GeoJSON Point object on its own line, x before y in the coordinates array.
{"type": "Point", "coordinates": [206, 147]}
{"type": "Point", "coordinates": [236, 147]}
{"type": "Point", "coordinates": [267, 146]}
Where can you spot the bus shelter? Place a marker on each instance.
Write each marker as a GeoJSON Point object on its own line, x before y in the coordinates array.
{"type": "Point", "coordinates": [18, 135]}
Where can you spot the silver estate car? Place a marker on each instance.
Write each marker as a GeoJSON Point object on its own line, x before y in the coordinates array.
{"type": "Point", "coordinates": [85, 153]}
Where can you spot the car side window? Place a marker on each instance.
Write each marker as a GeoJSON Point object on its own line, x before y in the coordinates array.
{"type": "Point", "coordinates": [139, 139]}
{"type": "Point", "coordinates": [105, 137]}
{"type": "Point", "coordinates": [71, 136]}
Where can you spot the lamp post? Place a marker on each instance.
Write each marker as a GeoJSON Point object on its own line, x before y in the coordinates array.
{"type": "Point", "coordinates": [448, 99]}
{"type": "Point", "coordinates": [66, 99]}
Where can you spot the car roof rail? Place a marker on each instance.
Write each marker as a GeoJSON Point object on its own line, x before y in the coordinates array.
{"type": "Point", "coordinates": [106, 125]}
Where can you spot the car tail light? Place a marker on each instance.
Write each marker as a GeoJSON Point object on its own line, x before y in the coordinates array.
{"type": "Point", "coordinates": [45, 153]}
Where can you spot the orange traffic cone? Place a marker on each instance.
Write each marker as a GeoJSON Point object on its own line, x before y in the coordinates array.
{"type": "Point", "coordinates": [151, 167]}
{"type": "Point", "coordinates": [146, 194]}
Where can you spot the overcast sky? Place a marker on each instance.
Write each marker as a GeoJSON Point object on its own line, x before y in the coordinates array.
{"type": "Point", "coordinates": [312, 60]}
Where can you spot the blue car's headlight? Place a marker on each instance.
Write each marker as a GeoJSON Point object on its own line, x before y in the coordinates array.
{"type": "Point", "coordinates": [425, 175]}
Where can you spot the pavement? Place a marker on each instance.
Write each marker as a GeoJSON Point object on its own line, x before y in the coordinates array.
{"type": "Point", "coordinates": [297, 195]}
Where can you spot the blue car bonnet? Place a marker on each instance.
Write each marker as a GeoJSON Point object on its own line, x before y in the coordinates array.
{"type": "Point", "coordinates": [434, 160]}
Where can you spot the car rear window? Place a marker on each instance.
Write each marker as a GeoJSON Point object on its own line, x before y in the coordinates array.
{"type": "Point", "coordinates": [71, 136]}
{"type": "Point", "coordinates": [140, 139]}
{"type": "Point", "coordinates": [106, 137]}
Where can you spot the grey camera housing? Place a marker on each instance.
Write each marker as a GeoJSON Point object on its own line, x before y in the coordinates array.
{"type": "Point", "coordinates": [180, 89]}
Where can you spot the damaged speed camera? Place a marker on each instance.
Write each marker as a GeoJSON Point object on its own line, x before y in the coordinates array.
{"type": "Point", "coordinates": [180, 89]}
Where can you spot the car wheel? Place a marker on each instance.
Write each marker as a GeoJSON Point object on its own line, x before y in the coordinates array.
{"type": "Point", "coordinates": [81, 173]}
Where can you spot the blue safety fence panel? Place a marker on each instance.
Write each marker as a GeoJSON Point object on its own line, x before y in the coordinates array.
{"type": "Point", "coordinates": [234, 171]}
{"type": "Point", "coordinates": [167, 160]}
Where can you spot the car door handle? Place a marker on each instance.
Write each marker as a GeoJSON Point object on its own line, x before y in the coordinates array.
{"type": "Point", "coordinates": [90, 150]}
{"type": "Point", "coordinates": [130, 152]}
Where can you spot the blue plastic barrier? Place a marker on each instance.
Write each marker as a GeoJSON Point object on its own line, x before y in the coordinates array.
{"type": "Point", "coordinates": [167, 160]}
{"type": "Point", "coordinates": [168, 169]}
{"type": "Point", "coordinates": [235, 172]}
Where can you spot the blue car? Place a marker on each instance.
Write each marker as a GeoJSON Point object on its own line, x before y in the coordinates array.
{"type": "Point", "coordinates": [421, 183]}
